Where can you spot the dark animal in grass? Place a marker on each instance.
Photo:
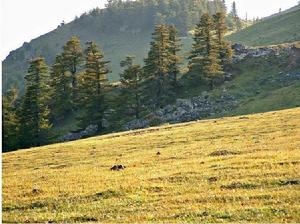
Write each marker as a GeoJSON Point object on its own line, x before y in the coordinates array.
{"type": "Point", "coordinates": [118, 167]}
{"type": "Point", "coordinates": [158, 153]}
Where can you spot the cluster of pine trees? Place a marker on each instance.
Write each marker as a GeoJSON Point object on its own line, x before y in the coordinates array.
{"type": "Point", "coordinates": [183, 14]}
{"type": "Point", "coordinates": [76, 84]}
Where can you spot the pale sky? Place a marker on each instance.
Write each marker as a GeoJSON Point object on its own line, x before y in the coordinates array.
{"type": "Point", "coordinates": [23, 20]}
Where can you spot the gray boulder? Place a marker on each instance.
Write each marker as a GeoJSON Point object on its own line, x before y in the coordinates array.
{"type": "Point", "coordinates": [89, 131]}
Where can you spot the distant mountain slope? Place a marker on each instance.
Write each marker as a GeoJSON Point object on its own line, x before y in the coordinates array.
{"type": "Point", "coordinates": [295, 8]}
{"type": "Point", "coordinates": [122, 28]}
{"type": "Point", "coordinates": [276, 29]}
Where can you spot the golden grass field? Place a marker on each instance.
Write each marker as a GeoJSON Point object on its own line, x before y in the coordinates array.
{"type": "Point", "coordinates": [241, 169]}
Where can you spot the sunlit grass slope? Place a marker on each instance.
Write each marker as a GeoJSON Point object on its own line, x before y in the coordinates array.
{"type": "Point", "coordinates": [226, 170]}
{"type": "Point", "coordinates": [282, 28]}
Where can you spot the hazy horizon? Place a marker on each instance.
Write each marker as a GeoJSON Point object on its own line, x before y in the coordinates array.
{"type": "Point", "coordinates": [36, 21]}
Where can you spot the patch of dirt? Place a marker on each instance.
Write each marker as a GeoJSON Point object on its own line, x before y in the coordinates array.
{"type": "Point", "coordinates": [223, 153]}
{"type": "Point", "coordinates": [154, 189]}
{"type": "Point", "coordinates": [289, 182]}
{"type": "Point", "coordinates": [58, 166]}
{"type": "Point", "coordinates": [212, 179]}
{"type": "Point", "coordinates": [244, 118]}
{"type": "Point", "coordinates": [103, 195]}
{"type": "Point", "coordinates": [82, 219]}
{"type": "Point", "coordinates": [238, 185]}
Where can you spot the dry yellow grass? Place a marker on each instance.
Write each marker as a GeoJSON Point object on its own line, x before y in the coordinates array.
{"type": "Point", "coordinates": [254, 178]}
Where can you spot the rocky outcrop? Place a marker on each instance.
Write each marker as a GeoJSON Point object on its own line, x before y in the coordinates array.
{"type": "Point", "coordinates": [89, 131]}
{"type": "Point", "coordinates": [294, 56]}
{"type": "Point", "coordinates": [186, 110]}
{"type": "Point", "coordinates": [136, 124]}
{"type": "Point", "coordinates": [242, 52]}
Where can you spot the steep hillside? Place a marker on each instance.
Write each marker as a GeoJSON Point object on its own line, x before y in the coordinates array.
{"type": "Point", "coordinates": [124, 28]}
{"type": "Point", "coordinates": [276, 29]}
{"type": "Point", "coordinates": [241, 169]}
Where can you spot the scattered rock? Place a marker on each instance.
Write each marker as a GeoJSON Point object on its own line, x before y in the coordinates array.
{"type": "Point", "coordinates": [228, 76]}
{"type": "Point", "coordinates": [118, 167]}
{"type": "Point", "coordinates": [36, 191]}
{"type": "Point", "coordinates": [212, 179]}
{"type": "Point", "coordinates": [238, 47]}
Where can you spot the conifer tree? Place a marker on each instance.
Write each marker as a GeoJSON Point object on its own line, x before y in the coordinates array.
{"type": "Point", "coordinates": [9, 119]}
{"type": "Point", "coordinates": [174, 58]}
{"type": "Point", "coordinates": [34, 116]}
{"type": "Point", "coordinates": [93, 88]}
{"type": "Point", "coordinates": [224, 48]}
{"type": "Point", "coordinates": [204, 58]}
{"type": "Point", "coordinates": [157, 65]}
{"type": "Point", "coordinates": [132, 80]}
{"type": "Point", "coordinates": [236, 18]}
{"type": "Point", "coordinates": [61, 90]}
{"type": "Point", "coordinates": [73, 59]}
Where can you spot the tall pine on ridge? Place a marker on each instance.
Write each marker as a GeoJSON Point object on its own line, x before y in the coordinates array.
{"type": "Point", "coordinates": [10, 122]}
{"type": "Point", "coordinates": [73, 59]}
{"type": "Point", "coordinates": [174, 58]}
{"type": "Point", "coordinates": [157, 66]}
{"type": "Point", "coordinates": [204, 58]}
{"type": "Point", "coordinates": [34, 116]}
{"type": "Point", "coordinates": [132, 88]}
{"type": "Point", "coordinates": [93, 88]}
{"type": "Point", "coordinates": [61, 90]}
{"type": "Point", "coordinates": [224, 48]}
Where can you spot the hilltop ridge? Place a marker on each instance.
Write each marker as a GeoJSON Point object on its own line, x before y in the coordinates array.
{"type": "Point", "coordinates": [280, 28]}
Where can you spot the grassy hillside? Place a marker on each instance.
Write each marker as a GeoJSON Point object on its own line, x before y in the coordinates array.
{"type": "Point", "coordinates": [227, 170]}
{"type": "Point", "coordinates": [263, 85]}
{"type": "Point", "coordinates": [274, 30]}
{"type": "Point", "coordinates": [259, 85]}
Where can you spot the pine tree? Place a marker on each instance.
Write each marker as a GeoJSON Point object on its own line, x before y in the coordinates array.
{"type": "Point", "coordinates": [73, 59]}
{"type": "Point", "coordinates": [174, 60]}
{"type": "Point", "coordinates": [132, 88]}
{"type": "Point", "coordinates": [34, 116]}
{"type": "Point", "coordinates": [224, 48]}
{"type": "Point", "coordinates": [236, 18]}
{"type": "Point", "coordinates": [204, 58]}
{"type": "Point", "coordinates": [9, 119]}
{"type": "Point", "coordinates": [93, 87]}
{"type": "Point", "coordinates": [157, 66]}
{"type": "Point", "coordinates": [61, 90]}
